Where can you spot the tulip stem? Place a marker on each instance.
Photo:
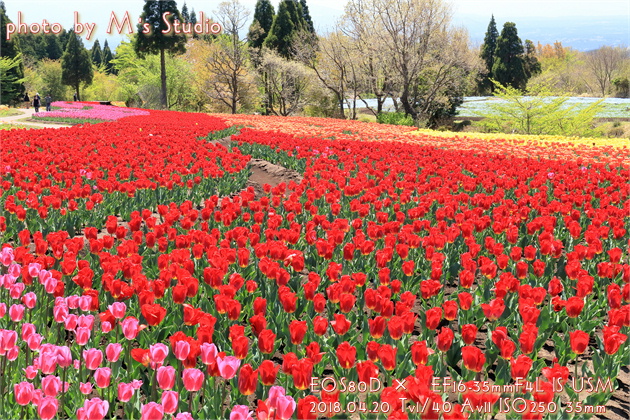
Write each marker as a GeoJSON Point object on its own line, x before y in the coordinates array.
{"type": "Point", "coordinates": [63, 389]}
{"type": "Point", "coordinates": [190, 401]}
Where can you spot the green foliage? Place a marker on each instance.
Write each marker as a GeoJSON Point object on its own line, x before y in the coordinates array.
{"type": "Point", "coordinates": [286, 25]}
{"type": "Point", "coordinates": [508, 68]}
{"type": "Point", "coordinates": [539, 113]}
{"type": "Point", "coordinates": [307, 17]}
{"type": "Point", "coordinates": [50, 83]}
{"type": "Point", "coordinates": [487, 54]}
{"type": "Point", "coordinates": [622, 87]}
{"type": "Point", "coordinates": [12, 67]}
{"type": "Point", "coordinates": [97, 54]}
{"type": "Point", "coordinates": [264, 14]}
{"type": "Point", "coordinates": [76, 65]}
{"type": "Point", "coordinates": [156, 41]}
{"type": "Point", "coordinates": [395, 118]}
{"type": "Point", "coordinates": [531, 64]}
{"type": "Point", "coordinates": [107, 58]}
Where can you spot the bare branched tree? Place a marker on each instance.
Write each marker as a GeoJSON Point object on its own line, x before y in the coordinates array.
{"type": "Point", "coordinates": [604, 63]}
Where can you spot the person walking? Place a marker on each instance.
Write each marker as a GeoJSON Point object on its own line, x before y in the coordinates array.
{"type": "Point", "coordinates": [48, 101]}
{"type": "Point", "coordinates": [76, 97]}
{"type": "Point", "coordinates": [27, 100]}
{"type": "Point", "coordinates": [36, 102]}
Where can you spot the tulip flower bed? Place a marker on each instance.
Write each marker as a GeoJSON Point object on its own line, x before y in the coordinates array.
{"type": "Point", "coordinates": [81, 112]}
{"type": "Point", "coordinates": [404, 275]}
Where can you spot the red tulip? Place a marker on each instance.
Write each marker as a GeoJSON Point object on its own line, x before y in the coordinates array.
{"type": "Point", "coordinates": [266, 340]}
{"type": "Point", "coordinates": [297, 331]}
{"type": "Point", "coordinates": [346, 355]}
{"type": "Point", "coordinates": [247, 379]}
{"type": "Point", "coordinates": [469, 333]}
{"type": "Point", "coordinates": [521, 366]}
{"type": "Point", "coordinates": [387, 355]}
{"type": "Point", "coordinates": [268, 371]}
{"type": "Point", "coordinates": [153, 313]}
{"type": "Point", "coordinates": [473, 358]}
{"type": "Point", "coordinates": [574, 306]}
{"type": "Point", "coordinates": [445, 339]}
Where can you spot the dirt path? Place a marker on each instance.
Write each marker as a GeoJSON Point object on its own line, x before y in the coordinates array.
{"type": "Point", "coordinates": [28, 113]}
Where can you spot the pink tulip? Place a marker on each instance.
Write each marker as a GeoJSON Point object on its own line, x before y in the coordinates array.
{"type": "Point", "coordinates": [86, 321]}
{"type": "Point", "coordinates": [50, 284]}
{"type": "Point", "coordinates": [30, 300]}
{"type": "Point", "coordinates": [83, 336]}
{"type": "Point", "coordinates": [183, 416]}
{"type": "Point", "coordinates": [64, 356]}
{"type": "Point", "coordinates": [27, 330]}
{"type": "Point", "coordinates": [6, 256]}
{"type": "Point", "coordinates": [47, 408]}
{"type": "Point", "coordinates": [34, 269]}
{"type": "Point", "coordinates": [85, 388]}
{"type": "Point", "coordinates": [95, 409]}
{"type": "Point", "coordinates": [130, 328]}
{"type": "Point", "coordinates": [38, 394]}
{"type": "Point", "coordinates": [72, 301]}
{"type": "Point", "coordinates": [125, 392]}
{"type": "Point", "coordinates": [228, 366]}
{"type": "Point", "coordinates": [275, 393]}
{"type": "Point", "coordinates": [102, 377]}
{"type": "Point", "coordinates": [208, 353]}
{"type": "Point", "coordinates": [193, 379]}
{"type": "Point", "coordinates": [182, 349]}
{"type": "Point", "coordinates": [60, 312]}
{"type": "Point", "coordinates": [157, 353]}
{"type": "Point", "coordinates": [85, 302]}
{"type": "Point", "coordinates": [112, 351]}
{"type": "Point", "coordinates": [51, 385]}
{"type": "Point", "coordinates": [152, 411]}
{"type": "Point", "coordinates": [93, 358]}
{"type": "Point", "coordinates": [166, 377]}
{"type": "Point", "coordinates": [8, 338]}
{"type": "Point", "coordinates": [16, 290]}
{"type": "Point", "coordinates": [118, 309]}
{"type": "Point", "coordinates": [106, 327]}
{"type": "Point", "coordinates": [169, 400]}
{"type": "Point", "coordinates": [30, 372]}
{"type": "Point", "coordinates": [3, 309]}
{"type": "Point", "coordinates": [285, 406]}
{"type": "Point", "coordinates": [16, 312]}
{"type": "Point", "coordinates": [13, 353]}
{"type": "Point", "coordinates": [136, 384]}
{"type": "Point", "coordinates": [241, 412]}
{"type": "Point", "coordinates": [47, 361]}
{"type": "Point", "coordinates": [14, 271]}
{"type": "Point", "coordinates": [71, 322]}
{"type": "Point", "coordinates": [34, 341]}
{"type": "Point", "coordinates": [23, 392]}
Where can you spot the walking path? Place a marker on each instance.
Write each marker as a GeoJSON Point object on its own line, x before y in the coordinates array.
{"type": "Point", "coordinates": [26, 113]}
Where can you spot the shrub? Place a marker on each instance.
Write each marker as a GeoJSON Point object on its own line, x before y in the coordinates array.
{"type": "Point", "coordinates": [395, 118]}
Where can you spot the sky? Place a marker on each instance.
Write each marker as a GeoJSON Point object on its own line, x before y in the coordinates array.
{"type": "Point", "coordinates": [582, 24]}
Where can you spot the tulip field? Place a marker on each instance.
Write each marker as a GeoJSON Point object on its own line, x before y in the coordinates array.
{"type": "Point", "coordinates": [147, 273]}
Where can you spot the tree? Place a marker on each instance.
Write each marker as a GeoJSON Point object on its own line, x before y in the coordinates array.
{"type": "Point", "coordinates": [287, 83]}
{"type": "Point", "coordinates": [54, 50]}
{"type": "Point", "coordinates": [97, 54]}
{"type": "Point", "coordinates": [12, 86]}
{"type": "Point", "coordinates": [185, 14]}
{"type": "Point", "coordinates": [76, 65]}
{"type": "Point", "coordinates": [160, 39]}
{"type": "Point", "coordinates": [261, 25]}
{"type": "Point", "coordinates": [107, 58]}
{"type": "Point", "coordinates": [508, 68]}
{"type": "Point", "coordinates": [193, 21]}
{"type": "Point", "coordinates": [604, 63]}
{"type": "Point", "coordinates": [530, 61]}
{"type": "Point", "coordinates": [306, 16]}
{"type": "Point", "coordinates": [537, 112]}
{"type": "Point", "coordinates": [51, 84]}
{"type": "Point", "coordinates": [287, 23]}
{"type": "Point", "coordinates": [487, 54]}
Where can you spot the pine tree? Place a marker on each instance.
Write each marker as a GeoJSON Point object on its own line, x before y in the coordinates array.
{"type": "Point", "coordinates": [157, 41]}
{"type": "Point", "coordinates": [307, 17]}
{"type": "Point", "coordinates": [97, 54]}
{"type": "Point", "coordinates": [107, 58]}
{"type": "Point", "coordinates": [12, 87]}
{"type": "Point", "coordinates": [508, 68]}
{"type": "Point", "coordinates": [287, 23]}
{"type": "Point", "coordinates": [76, 65]}
{"type": "Point", "coordinates": [261, 25]}
{"type": "Point", "coordinates": [193, 21]}
{"type": "Point", "coordinates": [185, 14]}
{"type": "Point", "coordinates": [487, 54]}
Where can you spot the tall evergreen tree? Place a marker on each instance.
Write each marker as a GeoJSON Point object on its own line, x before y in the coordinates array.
{"type": "Point", "coordinates": [97, 54]}
{"type": "Point", "coordinates": [107, 58]}
{"type": "Point", "coordinates": [287, 23]}
{"type": "Point", "coordinates": [261, 25]}
{"type": "Point", "coordinates": [487, 54]}
{"type": "Point", "coordinates": [307, 17]}
{"type": "Point", "coordinates": [193, 21]}
{"type": "Point", "coordinates": [54, 49]}
{"type": "Point", "coordinates": [185, 14]}
{"type": "Point", "coordinates": [12, 87]}
{"type": "Point", "coordinates": [156, 41]}
{"type": "Point", "coordinates": [530, 61]}
{"type": "Point", "coordinates": [508, 68]}
{"type": "Point", "coordinates": [76, 65]}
